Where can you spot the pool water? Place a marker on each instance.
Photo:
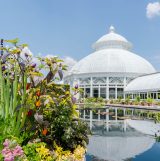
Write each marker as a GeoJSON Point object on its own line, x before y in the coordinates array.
{"type": "Point", "coordinates": [120, 146]}
{"type": "Point", "coordinates": [152, 154]}
{"type": "Point", "coordinates": [136, 142]}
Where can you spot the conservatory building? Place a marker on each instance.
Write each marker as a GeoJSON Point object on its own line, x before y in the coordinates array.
{"type": "Point", "coordinates": [109, 69]}
{"type": "Point", "coordinates": [146, 86]}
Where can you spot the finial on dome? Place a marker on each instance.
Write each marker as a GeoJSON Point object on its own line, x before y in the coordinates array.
{"type": "Point", "coordinates": [111, 29]}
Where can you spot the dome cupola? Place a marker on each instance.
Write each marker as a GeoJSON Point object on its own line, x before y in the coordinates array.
{"type": "Point", "coordinates": [112, 55]}
{"type": "Point", "coordinates": [112, 40]}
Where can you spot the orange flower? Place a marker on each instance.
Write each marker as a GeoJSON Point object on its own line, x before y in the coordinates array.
{"type": "Point", "coordinates": [44, 132]}
{"type": "Point", "coordinates": [28, 86]}
{"type": "Point", "coordinates": [38, 93]}
{"type": "Point", "coordinates": [38, 103]}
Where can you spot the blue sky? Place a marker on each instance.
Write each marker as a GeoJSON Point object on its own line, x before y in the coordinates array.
{"type": "Point", "coordinates": [70, 27]}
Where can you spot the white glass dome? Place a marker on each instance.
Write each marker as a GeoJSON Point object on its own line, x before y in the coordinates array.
{"type": "Point", "coordinates": [146, 83]}
{"type": "Point", "coordinates": [112, 55]}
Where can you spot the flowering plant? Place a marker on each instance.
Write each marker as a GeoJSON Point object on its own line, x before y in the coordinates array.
{"type": "Point", "coordinates": [33, 106]}
{"type": "Point", "coordinates": [12, 151]}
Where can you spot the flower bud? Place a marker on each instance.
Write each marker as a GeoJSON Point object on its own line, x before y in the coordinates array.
{"type": "Point", "coordinates": [76, 86]}
{"type": "Point", "coordinates": [33, 65]}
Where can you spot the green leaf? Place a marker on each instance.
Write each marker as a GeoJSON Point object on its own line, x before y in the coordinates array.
{"type": "Point", "coordinates": [13, 41]}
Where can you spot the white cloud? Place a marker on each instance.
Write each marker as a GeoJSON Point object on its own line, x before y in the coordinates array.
{"type": "Point", "coordinates": [153, 9]}
{"type": "Point", "coordinates": [70, 62]}
{"type": "Point", "coordinates": [50, 56]}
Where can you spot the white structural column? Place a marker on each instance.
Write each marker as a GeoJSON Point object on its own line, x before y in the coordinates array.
{"type": "Point", "coordinates": [91, 87]}
{"type": "Point", "coordinates": [107, 119]}
{"type": "Point", "coordinates": [107, 88]}
{"type": "Point", "coordinates": [99, 91]}
{"type": "Point", "coordinates": [132, 112]}
{"type": "Point", "coordinates": [116, 92]}
{"type": "Point", "coordinates": [116, 114]}
{"type": "Point", "coordinates": [125, 83]}
{"type": "Point", "coordinates": [91, 119]}
{"type": "Point", "coordinates": [132, 96]}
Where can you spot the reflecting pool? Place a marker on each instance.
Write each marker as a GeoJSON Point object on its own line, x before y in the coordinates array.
{"type": "Point", "coordinates": [121, 134]}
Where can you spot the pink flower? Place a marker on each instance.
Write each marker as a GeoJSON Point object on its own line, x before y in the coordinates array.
{"type": "Point", "coordinates": [6, 152]}
{"type": "Point", "coordinates": [6, 143]}
{"type": "Point", "coordinates": [9, 158]}
{"type": "Point", "coordinates": [9, 153]}
{"type": "Point", "coordinates": [17, 151]}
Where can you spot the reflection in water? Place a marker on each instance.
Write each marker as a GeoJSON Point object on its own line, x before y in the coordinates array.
{"type": "Point", "coordinates": [121, 135]}
{"type": "Point", "coordinates": [118, 148]}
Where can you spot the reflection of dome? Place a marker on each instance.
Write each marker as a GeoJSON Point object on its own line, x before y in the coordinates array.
{"type": "Point", "coordinates": [112, 55]}
{"type": "Point", "coordinates": [118, 148]}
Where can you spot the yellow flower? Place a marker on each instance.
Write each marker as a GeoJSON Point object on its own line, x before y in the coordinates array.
{"type": "Point", "coordinates": [79, 153]}
{"type": "Point", "coordinates": [38, 103]}
{"type": "Point", "coordinates": [67, 93]}
{"type": "Point", "coordinates": [43, 152]}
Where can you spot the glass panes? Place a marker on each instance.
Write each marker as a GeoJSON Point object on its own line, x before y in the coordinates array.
{"type": "Point", "coordinates": [103, 92]}
{"type": "Point", "coordinates": [119, 92]}
{"type": "Point", "coordinates": [143, 95]}
{"type": "Point", "coordinates": [87, 93]}
{"type": "Point", "coordinates": [111, 93]}
{"type": "Point", "coordinates": [95, 92]}
{"type": "Point", "coordinates": [153, 95]}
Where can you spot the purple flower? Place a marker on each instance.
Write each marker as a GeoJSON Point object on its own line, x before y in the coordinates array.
{"type": "Point", "coordinates": [33, 65]}
{"type": "Point", "coordinates": [26, 55]}
{"type": "Point", "coordinates": [22, 64]}
{"type": "Point", "coordinates": [74, 100]}
{"type": "Point", "coordinates": [76, 86]}
{"type": "Point", "coordinates": [3, 68]}
{"type": "Point", "coordinates": [4, 57]}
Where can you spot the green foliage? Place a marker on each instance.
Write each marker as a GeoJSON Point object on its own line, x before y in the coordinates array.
{"type": "Point", "coordinates": [138, 99]}
{"type": "Point", "coordinates": [119, 99]}
{"type": "Point", "coordinates": [149, 100]}
{"type": "Point", "coordinates": [33, 106]}
{"type": "Point", "coordinates": [65, 127]}
{"type": "Point", "coordinates": [156, 117]}
{"type": "Point", "coordinates": [31, 151]}
{"type": "Point", "coordinates": [94, 102]}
